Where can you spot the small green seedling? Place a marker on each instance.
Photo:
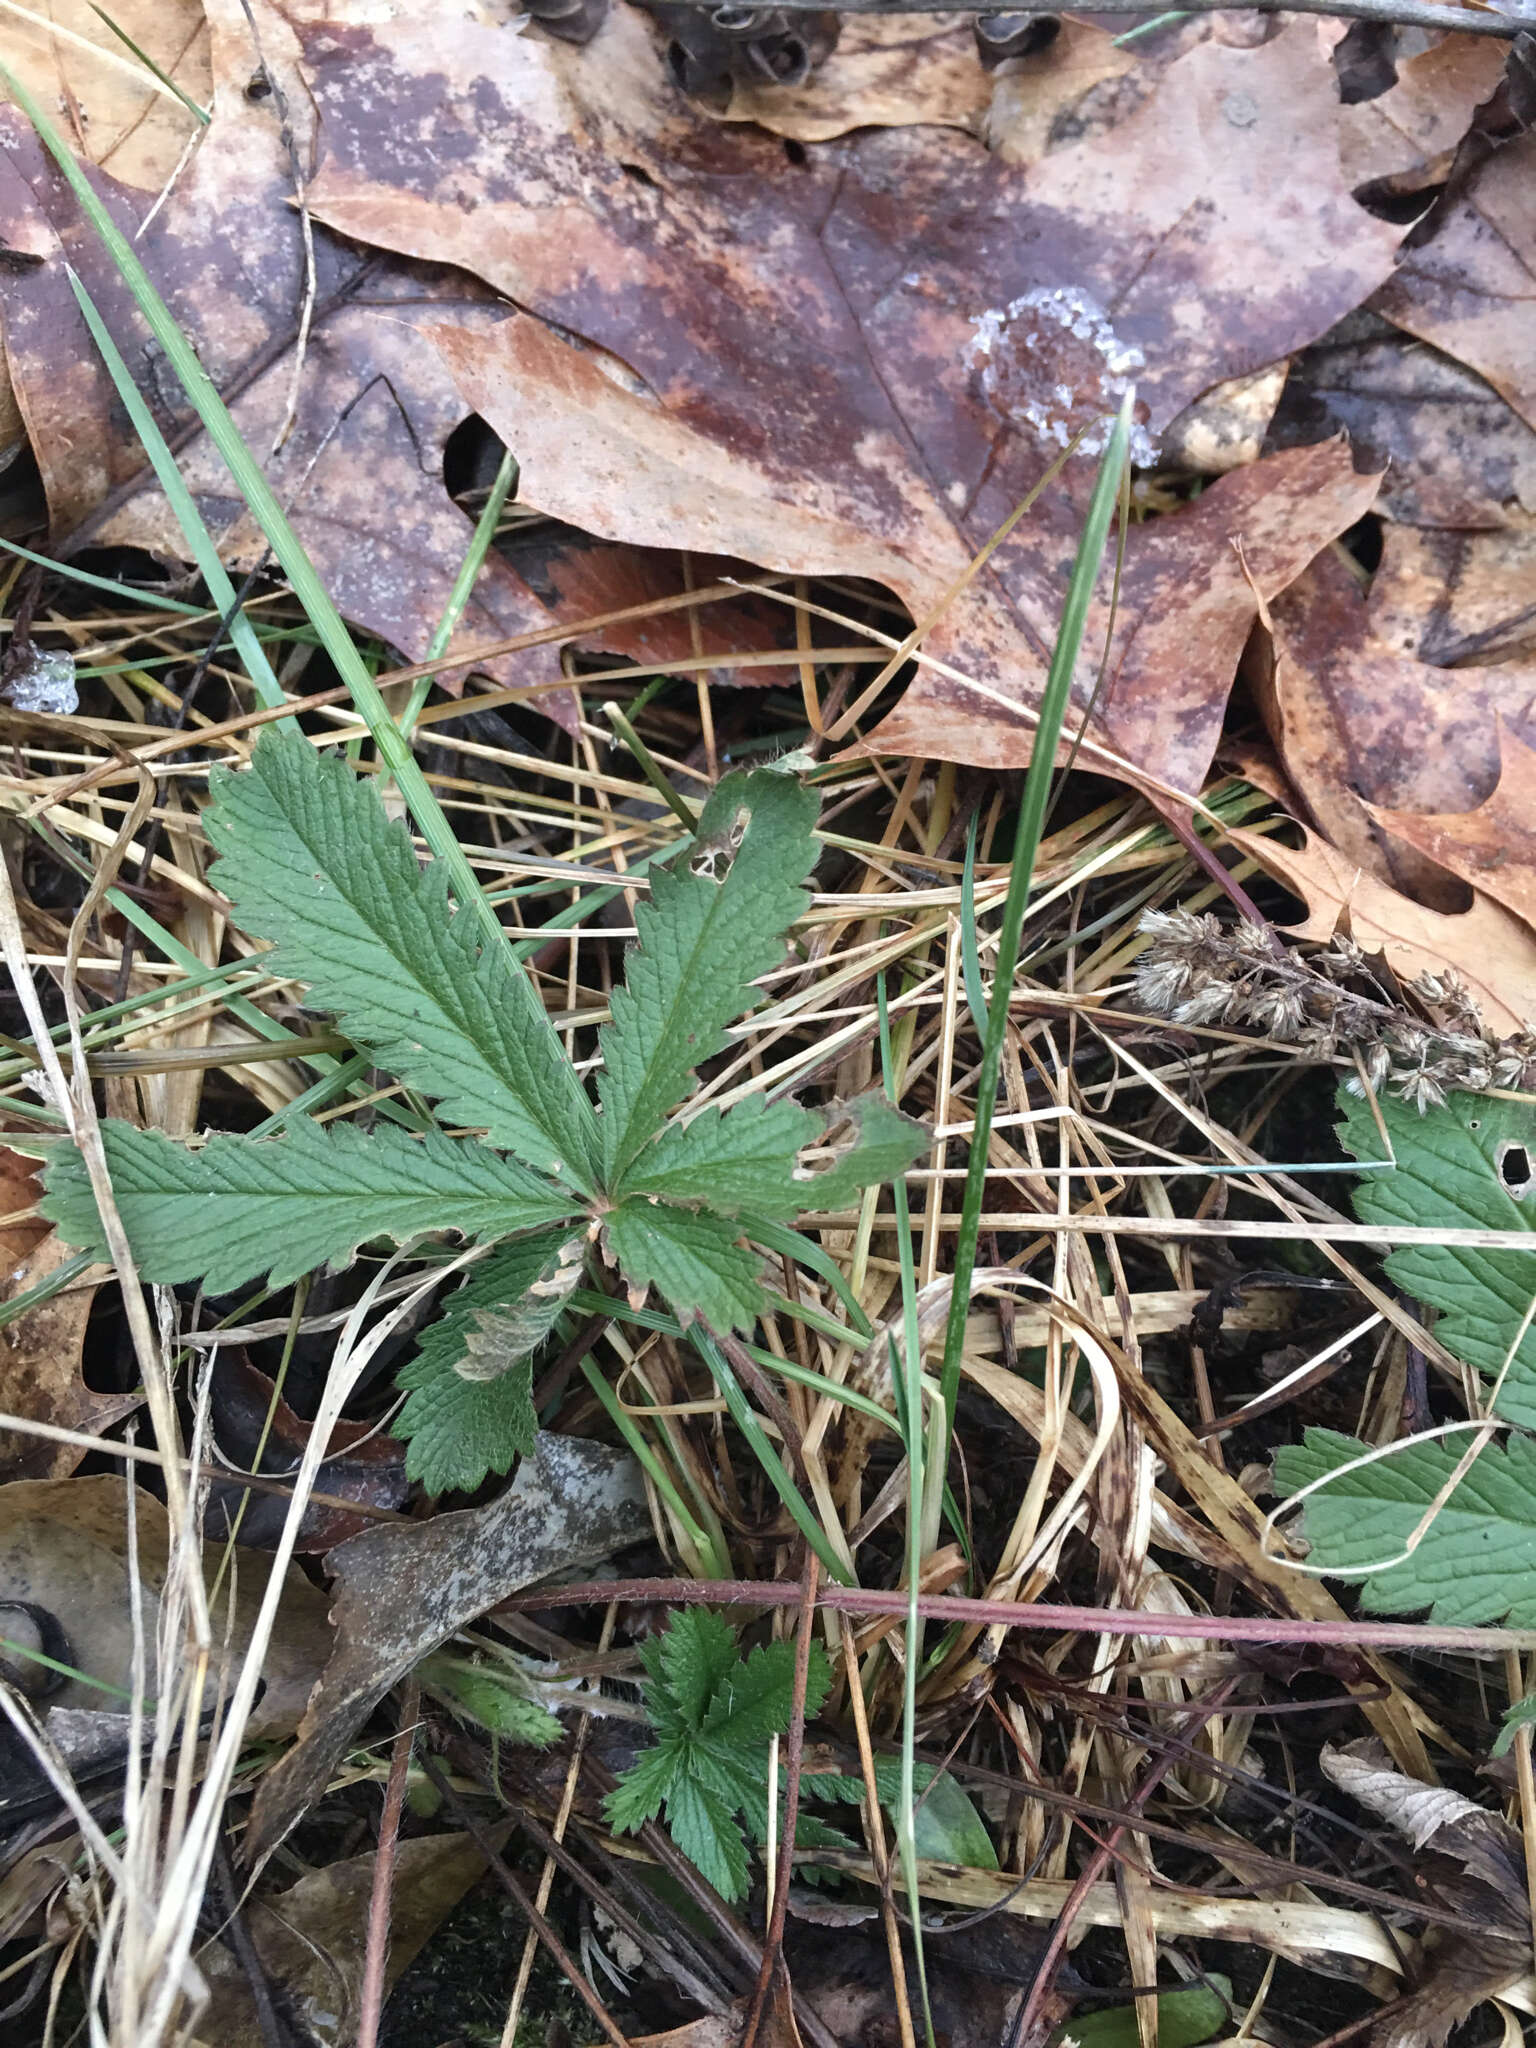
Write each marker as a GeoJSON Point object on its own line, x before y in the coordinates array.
{"type": "Point", "coordinates": [714, 1713]}
{"type": "Point", "coordinates": [554, 1184]}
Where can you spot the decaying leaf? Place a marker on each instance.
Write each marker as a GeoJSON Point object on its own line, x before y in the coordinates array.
{"type": "Point", "coordinates": [914, 356]}
{"type": "Point", "coordinates": [888, 70]}
{"type": "Point", "coordinates": [1359, 725]}
{"type": "Point", "coordinates": [1467, 289]}
{"type": "Point", "coordinates": [40, 1370]}
{"type": "Point", "coordinates": [1468, 1859]}
{"type": "Point", "coordinates": [312, 1939]}
{"type": "Point", "coordinates": [118, 114]}
{"type": "Point", "coordinates": [64, 1546]}
{"type": "Point", "coordinates": [1493, 952]}
{"type": "Point", "coordinates": [247, 1414]}
{"type": "Point", "coordinates": [374, 409]}
{"type": "Point", "coordinates": [1455, 452]}
{"type": "Point", "coordinates": [40, 1376]}
{"type": "Point", "coordinates": [1494, 846]}
{"type": "Point", "coordinates": [1453, 597]}
{"type": "Point", "coordinates": [402, 1591]}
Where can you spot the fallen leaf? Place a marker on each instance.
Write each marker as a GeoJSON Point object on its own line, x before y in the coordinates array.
{"type": "Point", "coordinates": [1404, 138]}
{"type": "Point", "coordinates": [41, 1379]}
{"type": "Point", "coordinates": [577, 578]}
{"type": "Point", "coordinates": [374, 410]}
{"type": "Point", "coordinates": [1493, 952]}
{"type": "Point", "coordinates": [115, 113]}
{"type": "Point", "coordinates": [1046, 99]}
{"type": "Point", "coordinates": [776, 2027]}
{"type": "Point", "coordinates": [1453, 597]}
{"type": "Point", "coordinates": [313, 1939]}
{"type": "Point", "coordinates": [1455, 452]}
{"type": "Point", "coordinates": [1492, 847]}
{"type": "Point", "coordinates": [1468, 290]}
{"type": "Point", "coordinates": [401, 1591]}
{"type": "Point", "coordinates": [1358, 725]}
{"type": "Point", "coordinates": [1470, 1861]}
{"type": "Point", "coordinates": [64, 1545]}
{"type": "Point", "coordinates": [20, 1188]}
{"type": "Point", "coordinates": [815, 365]}
{"type": "Point", "coordinates": [1225, 427]}
{"type": "Point", "coordinates": [887, 70]}
{"type": "Point", "coordinates": [246, 1412]}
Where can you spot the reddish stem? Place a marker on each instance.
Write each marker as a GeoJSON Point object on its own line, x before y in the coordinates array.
{"type": "Point", "coordinates": [948, 1607]}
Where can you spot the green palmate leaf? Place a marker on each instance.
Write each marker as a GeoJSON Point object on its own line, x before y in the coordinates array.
{"type": "Point", "coordinates": [313, 863]}
{"type": "Point", "coordinates": [755, 1699]}
{"type": "Point", "coordinates": [461, 1425]}
{"type": "Point", "coordinates": [1471, 1163]}
{"type": "Point", "coordinates": [242, 1207]}
{"type": "Point", "coordinates": [688, 1663]}
{"type": "Point", "coordinates": [700, 1823]}
{"type": "Point", "coordinates": [642, 1791]}
{"type": "Point", "coordinates": [713, 1714]}
{"type": "Point", "coordinates": [1476, 1562]}
{"type": "Point", "coordinates": [715, 921]}
{"type": "Point", "coordinates": [776, 1160]}
{"type": "Point", "coordinates": [691, 1257]}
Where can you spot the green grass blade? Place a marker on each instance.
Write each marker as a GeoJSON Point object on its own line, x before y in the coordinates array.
{"type": "Point", "coordinates": [199, 540]}
{"type": "Point", "coordinates": [762, 1449]}
{"type": "Point", "coordinates": [1037, 789]}
{"type": "Point", "coordinates": [153, 598]}
{"type": "Point", "coordinates": [970, 952]}
{"type": "Point", "coordinates": [463, 584]}
{"type": "Point", "coordinates": [199, 114]}
{"type": "Point", "coordinates": [907, 1386]}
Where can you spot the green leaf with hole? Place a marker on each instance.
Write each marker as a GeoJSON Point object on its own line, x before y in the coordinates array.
{"type": "Point", "coordinates": [1469, 1164]}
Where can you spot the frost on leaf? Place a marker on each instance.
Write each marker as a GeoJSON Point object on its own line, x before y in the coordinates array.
{"type": "Point", "coordinates": [1052, 361]}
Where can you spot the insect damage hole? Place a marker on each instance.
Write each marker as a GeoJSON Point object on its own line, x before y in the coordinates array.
{"type": "Point", "coordinates": [1514, 1164]}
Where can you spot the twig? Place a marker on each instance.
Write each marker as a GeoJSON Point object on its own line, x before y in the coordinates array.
{"type": "Point", "coordinates": [376, 1955]}
{"type": "Point", "coordinates": [1405, 13]}
{"type": "Point", "coordinates": [275, 2031]}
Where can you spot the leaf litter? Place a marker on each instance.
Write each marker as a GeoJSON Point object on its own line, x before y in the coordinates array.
{"type": "Point", "coordinates": [775, 363]}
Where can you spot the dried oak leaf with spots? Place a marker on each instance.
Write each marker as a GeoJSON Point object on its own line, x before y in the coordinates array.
{"type": "Point", "coordinates": [1468, 288]}
{"type": "Point", "coordinates": [1360, 725]}
{"type": "Point", "coordinates": [360, 470]}
{"type": "Point", "coordinates": [1488, 948]}
{"type": "Point", "coordinates": [860, 362]}
{"type": "Point", "coordinates": [1493, 847]}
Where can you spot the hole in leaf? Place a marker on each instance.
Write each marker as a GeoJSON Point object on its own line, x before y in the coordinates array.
{"type": "Point", "coordinates": [1514, 1163]}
